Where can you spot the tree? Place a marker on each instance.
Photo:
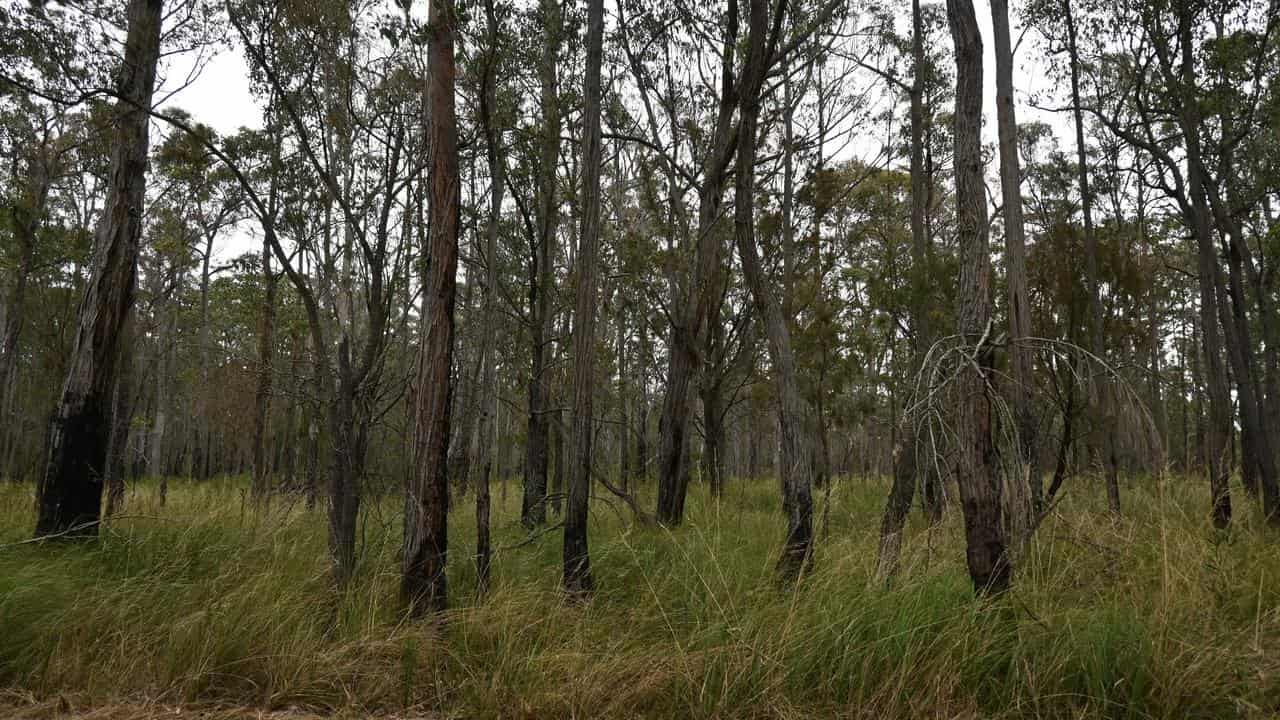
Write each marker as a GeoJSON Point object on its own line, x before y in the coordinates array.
{"type": "Point", "coordinates": [1019, 506]}
{"type": "Point", "coordinates": [70, 492]}
{"type": "Point", "coordinates": [424, 584]}
{"type": "Point", "coordinates": [990, 568]}
{"type": "Point", "coordinates": [795, 466]}
{"type": "Point", "coordinates": [1096, 332]}
{"type": "Point", "coordinates": [577, 559]}
{"type": "Point", "coordinates": [541, 273]}
{"type": "Point", "coordinates": [496, 157]}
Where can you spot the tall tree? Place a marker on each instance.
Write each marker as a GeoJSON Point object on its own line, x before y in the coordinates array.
{"type": "Point", "coordinates": [977, 474]}
{"type": "Point", "coordinates": [694, 310]}
{"type": "Point", "coordinates": [1019, 504]}
{"type": "Point", "coordinates": [907, 468]}
{"type": "Point", "coordinates": [534, 508]}
{"type": "Point", "coordinates": [70, 492]}
{"type": "Point", "coordinates": [423, 585]}
{"type": "Point", "coordinates": [794, 421]}
{"type": "Point", "coordinates": [577, 559]}
{"type": "Point", "coordinates": [496, 157]}
{"type": "Point", "coordinates": [1096, 334]}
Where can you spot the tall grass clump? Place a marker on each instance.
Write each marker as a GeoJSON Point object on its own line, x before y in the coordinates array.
{"type": "Point", "coordinates": [212, 601]}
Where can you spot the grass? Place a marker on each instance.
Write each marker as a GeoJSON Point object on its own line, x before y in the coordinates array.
{"type": "Point", "coordinates": [208, 603]}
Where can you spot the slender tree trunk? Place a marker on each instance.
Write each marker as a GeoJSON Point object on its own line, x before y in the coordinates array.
{"type": "Point", "coordinates": [577, 560]}
{"type": "Point", "coordinates": [495, 155]}
{"type": "Point", "coordinates": [121, 413]}
{"type": "Point", "coordinates": [423, 585]}
{"type": "Point", "coordinates": [70, 493]}
{"type": "Point", "coordinates": [1091, 264]}
{"type": "Point", "coordinates": [990, 567]}
{"type": "Point", "coordinates": [28, 215]}
{"type": "Point", "coordinates": [1023, 494]}
{"type": "Point", "coordinates": [700, 305]}
{"type": "Point", "coordinates": [1217, 432]}
{"type": "Point", "coordinates": [907, 468]}
{"type": "Point", "coordinates": [794, 419]}
{"type": "Point", "coordinates": [266, 369]}
{"type": "Point", "coordinates": [534, 509]}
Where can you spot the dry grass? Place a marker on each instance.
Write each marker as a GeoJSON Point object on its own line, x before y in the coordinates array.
{"type": "Point", "coordinates": [208, 607]}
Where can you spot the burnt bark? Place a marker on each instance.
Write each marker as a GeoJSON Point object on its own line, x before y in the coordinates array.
{"type": "Point", "coordinates": [70, 492]}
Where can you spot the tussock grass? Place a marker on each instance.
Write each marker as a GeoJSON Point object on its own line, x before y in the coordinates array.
{"type": "Point", "coordinates": [211, 602]}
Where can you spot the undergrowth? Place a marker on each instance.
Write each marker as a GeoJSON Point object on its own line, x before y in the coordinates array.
{"type": "Point", "coordinates": [214, 602]}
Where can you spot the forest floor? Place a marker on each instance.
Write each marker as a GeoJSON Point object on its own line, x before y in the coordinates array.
{"type": "Point", "coordinates": [210, 608]}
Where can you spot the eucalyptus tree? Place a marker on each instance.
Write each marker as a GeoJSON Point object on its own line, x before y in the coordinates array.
{"type": "Point", "coordinates": [1023, 493]}
{"type": "Point", "coordinates": [355, 137]}
{"type": "Point", "coordinates": [70, 492]}
{"type": "Point", "coordinates": [424, 584]}
{"type": "Point", "coordinates": [990, 567]}
{"type": "Point", "coordinates": [577, 560]}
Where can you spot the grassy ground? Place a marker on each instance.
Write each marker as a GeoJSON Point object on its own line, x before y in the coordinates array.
{"type": "Point", "coordinates": [207, 604]}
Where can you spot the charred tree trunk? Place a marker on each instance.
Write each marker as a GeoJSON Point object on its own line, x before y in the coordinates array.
{"type": "Point", "coordinates": [70, 493]}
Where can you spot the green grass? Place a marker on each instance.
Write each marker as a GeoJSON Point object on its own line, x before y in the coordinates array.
{"type": "Point", "coordinates": [209, 602]}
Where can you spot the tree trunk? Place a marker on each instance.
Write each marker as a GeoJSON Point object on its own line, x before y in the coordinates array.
{"type": "Point", "coordinates": [577, 560]}
{"type": "Point", "coordinates": [1206, 267]}
{"type": "Point", "coordinates": [423, 585]}
{"type": "Point", "coordinates": [977, 474]}
{"type": "Point", "coordinates": [1091, 265]}
{"type": "Point", "coordinates": [794, 422]}
{"type": "Point", "coordinates": [700, 304]}
{"type": "Point", "coordinates": [266, 368]}
{"type": "Point", "coordinates": [1023, 492]}
{"type": "Point", "coordinates": [907, 468]}
{"type": "Point", "coordinates": [534, 508]}
{"type": "Point", "coordinates": [70, 493]}
{"type": "Point", "coordinates": [121, 413]}
{"type": "Point", "coordinates": [496, 158]}
{"type": "Point", "coordinates": [28, 214]}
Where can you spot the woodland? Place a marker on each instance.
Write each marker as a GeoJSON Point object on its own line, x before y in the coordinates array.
{"type": "Point", "coordinates": [572, 358]}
